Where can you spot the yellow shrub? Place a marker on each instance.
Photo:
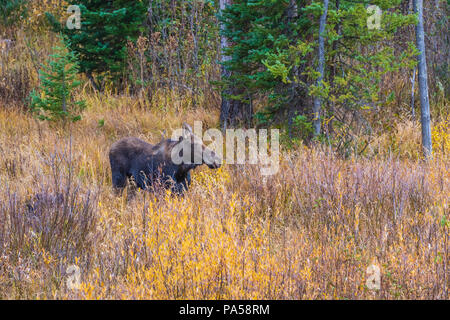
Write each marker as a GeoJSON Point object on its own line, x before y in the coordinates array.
{"type": "Point", "coordinates": [441, 137]}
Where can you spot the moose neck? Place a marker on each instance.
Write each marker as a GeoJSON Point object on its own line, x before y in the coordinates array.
{"type": "Point", "coordinates": [183, 170]}
{"type": "Point", "coordinates": [188, 167]}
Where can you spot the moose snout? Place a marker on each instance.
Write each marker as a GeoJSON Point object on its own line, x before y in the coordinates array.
{"type": "Point", "coordinates": [213, 162]}
{"type": "Point", "coordinates": [214, 165]}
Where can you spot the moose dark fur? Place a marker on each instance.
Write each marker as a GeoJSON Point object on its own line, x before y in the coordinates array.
{"type": "Point", "coordinates": [151, 165]}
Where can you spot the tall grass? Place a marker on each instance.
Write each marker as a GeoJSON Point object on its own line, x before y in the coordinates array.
{"type": "Point", "coordinates": [308, 232]}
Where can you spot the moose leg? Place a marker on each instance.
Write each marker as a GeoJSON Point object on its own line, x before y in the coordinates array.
{"type": "Point", "coordinates": [182, 184]}
{"type": "Point", "coordinates": [141, 180]}
{"type": "Point", "coordinates": [178, 189]}
{"type": "Point", "coordinates": [119, 180]}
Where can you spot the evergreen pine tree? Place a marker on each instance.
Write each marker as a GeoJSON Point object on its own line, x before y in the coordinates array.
{"type": "Point", "coordinates": [106, 26]}
{"type": "Point", "coordinates": [274, 57]}
{"type": "Point", "coordinates": [54, 98]}
{"type": "Point", "coordinates": [11, 11]}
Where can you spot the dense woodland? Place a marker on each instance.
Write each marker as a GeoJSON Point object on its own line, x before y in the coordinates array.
{"type": "Point", "coordinates": [359, 90]}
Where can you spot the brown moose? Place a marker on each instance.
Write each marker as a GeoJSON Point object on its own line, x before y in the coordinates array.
{"type": "Point", "coordinates": [152, 165]}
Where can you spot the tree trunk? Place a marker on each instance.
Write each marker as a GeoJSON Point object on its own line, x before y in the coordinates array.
{"type": "Point", "coordinates": [92, 80]}
{"type": "Point", "coordinates": [317, 100]}
{"type": "Point", "coordinates": [337, 29]}
{"type": "Point", "coordinates": [292, 13]}
{"type": "Point", "coordinates": [423, 82]}
{"type": "Point", "coordinates": [64, 106]}
{"type": "Point", "coordinates": [232, 112]}
{"type": "Point", "coordinates": [413, 82]}
{"type": "Point", "coordinates": [292, 10]}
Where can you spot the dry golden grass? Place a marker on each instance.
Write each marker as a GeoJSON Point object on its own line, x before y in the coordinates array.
{"type": "Point", "coordinates": [309, 232]}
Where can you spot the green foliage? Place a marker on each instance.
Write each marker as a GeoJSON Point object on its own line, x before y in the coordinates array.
{"type": "Point", "coordinates": [106, 27]}
{"type": "Point", "coordinates": [54, 98]}
{"type": "Point", "coordinates": [275, 56]}
{"type": "Point", "coordinates": [11, 11]}
{"type": "Point", "coordinates": [183, 38]}
{"type": "Point", "coordinates": [261, 33]}
{"type": "Point", "coordinates": [276, 65]}
{"type": "Point", "coordinates": [360, 56]}
{"type": "Point", "coordinates": [303, 127]}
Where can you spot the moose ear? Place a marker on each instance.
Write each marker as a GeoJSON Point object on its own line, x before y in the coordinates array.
{"type": "Point", "coordinates": [187, 130]}
{"type": "Point", "coordinates": [187, 127]}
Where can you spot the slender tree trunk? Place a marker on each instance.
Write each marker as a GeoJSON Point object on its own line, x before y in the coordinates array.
{"type": "Point", "coordinates": [92, 80]}
{"type": "Point", "coordinates": [293, 9]}
{"type": "Point", "coordinates": [64, 106]}
{"type": "Point", "coordinates": [423, 82]}
{"type": "Point", "coordinates": [226, 102]}
{"type": "Point", "coordinates": [413, 82]}
{"type": "Point", "coordinates": [337, 28]}
{"type": "Point", "coordinates": [232, 112]}
{"type": "Point", "coordinates": [292, 13]}
{"type": "Point", "coordinates": [317, 100]}
{"type": "Point", "coordinates": [149, 16]}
